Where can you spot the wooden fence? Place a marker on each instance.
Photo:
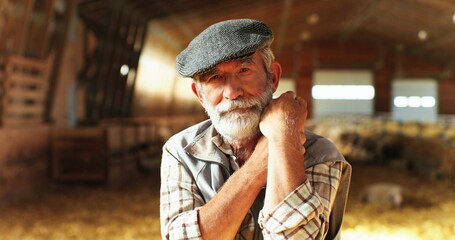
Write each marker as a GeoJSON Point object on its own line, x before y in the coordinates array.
{"type": "Point", "coordinates": [25, 86]}
{"type": "Point", "coordinates": [115, 150]}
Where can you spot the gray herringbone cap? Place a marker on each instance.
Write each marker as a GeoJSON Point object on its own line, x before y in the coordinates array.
{"type": "Point", "coordinates": [222, 42]}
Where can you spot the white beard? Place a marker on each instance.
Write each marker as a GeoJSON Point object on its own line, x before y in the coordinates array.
{"type": "Point", "coordinates": [238, 126]}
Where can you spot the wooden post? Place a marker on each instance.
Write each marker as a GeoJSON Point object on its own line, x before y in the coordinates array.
{"type": "Point", "coordinates": [49, 12]}
{"type": "Point", "coordinates": [55, 71]}
{"type": "Point", "coordinates": [28, 6]}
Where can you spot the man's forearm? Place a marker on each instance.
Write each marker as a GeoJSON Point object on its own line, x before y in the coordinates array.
{"type": "Point", "coordinates": [285, 172]}
{"type": "Point", "coordinates": [221, 217]}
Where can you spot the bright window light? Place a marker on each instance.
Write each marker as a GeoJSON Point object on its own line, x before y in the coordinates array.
{"type": "Point", "coordinates": [414, 101]}
{"type": "Point", "coordinates": [400, 101]}
{"type": "Point", "coordinates": [428, 102]}
{"type": "Point", "coordinates": [343, 92]}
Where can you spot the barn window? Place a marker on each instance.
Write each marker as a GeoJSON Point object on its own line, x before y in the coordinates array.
{"type": "Point", "coordinates": [343, 92]}
{"type": "Point", "coordinates": [339, 92]}
{"type": "Point", "coordinates": [415, 100]}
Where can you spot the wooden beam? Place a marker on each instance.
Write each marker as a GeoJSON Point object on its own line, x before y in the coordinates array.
{"type": "Point", "coordinates": [287, 5]}
{"type": "Point", "coordinates": [158, 31]}
{"type": "Point", "coordinates": [134, 62]}
{"type": "Point", "coordinates": [183, 27]}
{"type": "Point", "coordinates": [28, 6]}
{"type": "Point", "coordinates": [108, 47]}
{"type": "Point", "coordinates": [56, 65]}
{"type": "Point", "coordinates": [49, 13]}
{"type": "Point", "coordinates": [362, 15]}
{"type": "Point", "coordinates": [446, 40]}
{"type": "Point", "coordinates": [120, 53]}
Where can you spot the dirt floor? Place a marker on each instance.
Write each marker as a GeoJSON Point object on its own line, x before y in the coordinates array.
{"type": "Point", "coordinates": [97, 212]}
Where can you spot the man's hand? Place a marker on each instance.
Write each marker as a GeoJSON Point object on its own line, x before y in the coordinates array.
{"type": "Point", "coordinates": [284, 117]}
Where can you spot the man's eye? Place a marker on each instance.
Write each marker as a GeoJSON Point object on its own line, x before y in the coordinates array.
{"type": "Point", "coordinates": [242, 70]}
{"type": "Point", "coordinates": [213, 78]}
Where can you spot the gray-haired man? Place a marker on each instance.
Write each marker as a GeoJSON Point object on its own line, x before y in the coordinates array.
{"type": "Point", "coordinates": [251, 171]}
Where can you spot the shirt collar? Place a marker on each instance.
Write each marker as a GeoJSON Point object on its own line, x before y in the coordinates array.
{"type": "Point", "coordinates": [218, 140]}
{"type": "Point", "coordinates": [209, 146]}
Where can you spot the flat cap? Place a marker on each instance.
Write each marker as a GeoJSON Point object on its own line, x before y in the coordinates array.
{"type": "Point", "coordinates": [222, 42]}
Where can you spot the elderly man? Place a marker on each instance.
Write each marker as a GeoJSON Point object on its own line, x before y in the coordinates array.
{"type": "Point", "coordinates": [251, 171]}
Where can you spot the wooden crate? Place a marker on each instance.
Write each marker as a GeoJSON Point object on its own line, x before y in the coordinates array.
{"type": "Point", "coordinates": [79, 154]}
{"type": "Point", "coordinates": [24, 91]}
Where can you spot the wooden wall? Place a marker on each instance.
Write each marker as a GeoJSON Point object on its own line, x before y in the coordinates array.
{"type": "Point", "coordinates": [159, 90]}
{"type": "Point", "coordinates": [24, 156]}
{"type": "Point", "coordinates": [35, 61]}
{"type": "Point", "coordinates": [447, 95]}
{"type": "Point", "coordinates": [386, 62]}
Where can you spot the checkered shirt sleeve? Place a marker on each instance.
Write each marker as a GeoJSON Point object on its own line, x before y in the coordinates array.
{"type": "Point", "coordinates": [304, 214]}
{"type": "Point", "coordinates": [179, 201]}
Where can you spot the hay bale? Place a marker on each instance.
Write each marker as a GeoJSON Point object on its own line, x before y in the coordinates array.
{"type": "Point", "coordinates": [392, 126]}
{"type": "Point", "coordinates": [450, 133]}
{"type": "Point", "coordinates": [430, 130]}
{"type": "Point", "coordinates": [411, 129]}
{"type": "Point", "coordinates": [448, 161]}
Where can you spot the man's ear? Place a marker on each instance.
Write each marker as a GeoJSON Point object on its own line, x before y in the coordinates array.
{"type": "Point", "coordinates": [276, 75]}
{"type": "Point", "coordinates": [196, 92]}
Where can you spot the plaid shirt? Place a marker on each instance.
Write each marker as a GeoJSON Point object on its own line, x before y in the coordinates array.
{"type": "Point", "coordinates": [303, 214]}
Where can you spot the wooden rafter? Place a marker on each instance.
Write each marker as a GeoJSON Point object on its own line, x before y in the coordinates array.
{"type": "Point", "coordinates": [119, 42]}
{"type": "Point", "coordinates": [363, 14]}
{"type": "Point", "coordinates": [287, 5]}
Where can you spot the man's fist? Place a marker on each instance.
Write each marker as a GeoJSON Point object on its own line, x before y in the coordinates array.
{"type": "Point", "coordinates": [284, 117]}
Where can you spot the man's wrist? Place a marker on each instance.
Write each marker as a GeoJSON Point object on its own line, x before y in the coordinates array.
{"type": "Point", "coordinates": [285, 140]}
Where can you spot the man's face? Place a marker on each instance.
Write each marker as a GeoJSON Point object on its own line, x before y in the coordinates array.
{"type": "Point", "coordinates": [234, 94]}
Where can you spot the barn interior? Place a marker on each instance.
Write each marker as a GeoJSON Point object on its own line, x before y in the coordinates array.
{"type": "Point", "coordinates": [89, 94]}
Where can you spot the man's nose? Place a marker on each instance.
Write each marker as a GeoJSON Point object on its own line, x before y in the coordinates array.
{"type": "Point", "coordinates": [233, 88]}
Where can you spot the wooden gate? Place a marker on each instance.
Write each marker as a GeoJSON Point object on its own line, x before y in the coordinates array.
{"type": "Point", "coordinates": [24, 91]}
